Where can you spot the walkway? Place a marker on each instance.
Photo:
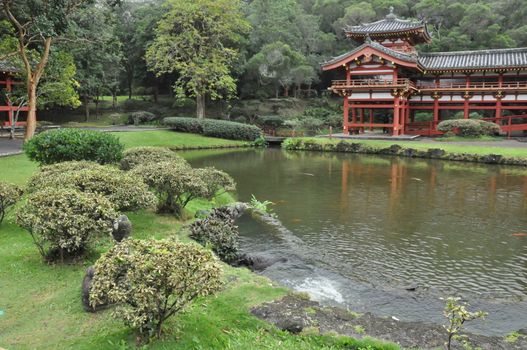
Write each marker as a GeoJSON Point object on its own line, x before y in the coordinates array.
{"type": "Point", "coordinates": [10, 147]}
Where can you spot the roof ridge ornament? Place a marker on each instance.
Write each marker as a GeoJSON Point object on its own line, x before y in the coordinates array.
{"type": "Point", "coordinates": [391, 15]}
{"type": "Point", "coordinates": [367, 39]}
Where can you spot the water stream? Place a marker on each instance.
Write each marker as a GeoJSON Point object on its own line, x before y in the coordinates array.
{"type": "Point", "coordinates": [365, 231]}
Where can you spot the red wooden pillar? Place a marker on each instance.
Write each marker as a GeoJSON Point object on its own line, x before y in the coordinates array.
{"type": "Point", "coordinates": [396, 116]}
{"type": "Point", "coordinates": [467, 98]}
{"type": "Point", "coordinates": [362, 119]}
{"type": "Point", "coordinates": [353, 117]}
{"type": "Point", "coordinates": [9, 104]}
{"type": "Point", "coordinates": [348, 76]}
{"type": "Point", "coordinates": [498, 100]}
{"type": "Point", "coordinates": [436, 111]}
{"type": "Point", "coordinates": [371, 119]}
{"type": "Point", "coordinates": [345, 122]}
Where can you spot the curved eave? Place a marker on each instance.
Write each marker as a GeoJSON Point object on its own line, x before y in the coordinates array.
{"type": "Point", "coordinates": [473, 70]}
{"type": "Point", "coordinates": [423, 34]}
{"type": "Point", "coordinates": [368, 51]}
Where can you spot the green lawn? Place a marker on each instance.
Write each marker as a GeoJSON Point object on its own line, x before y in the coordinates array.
{"type": "Point", "coordinates": [448, 147]}
{"type": "Point", "coordinates": [41, 308]}
{"type": "Point", "coordinates": [175, 140]}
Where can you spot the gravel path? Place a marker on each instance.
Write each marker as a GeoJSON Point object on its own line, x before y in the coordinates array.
{"type": "Point", "coordinates": [9, 147]}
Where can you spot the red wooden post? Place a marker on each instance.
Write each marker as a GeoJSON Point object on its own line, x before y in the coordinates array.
{"type": "Point", "coordinates": [498, 100]}
{"type": "Point", "coordinates": [436, 111]}
{"type": "Point", "coordinates": [395, 116]}
{"type": "Point", "coordinates": [345, 130]}
{"type": "Point", "coordinates": [465, 105]}
{"type": "Point", "coordinates": [9, 104]}
{"type": "Point", "coordinates": [362, 119]}
{"type": "Point", "coordinates": [371, 119]}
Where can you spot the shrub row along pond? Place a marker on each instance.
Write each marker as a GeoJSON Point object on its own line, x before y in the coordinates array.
{"type": "Point", "coordinates": [324, 145]}
{"type": "Point", "coordinates": [214, 128]}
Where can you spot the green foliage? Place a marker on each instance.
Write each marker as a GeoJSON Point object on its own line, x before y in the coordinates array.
{"type": "Point", "coordinates": [263, 207]}
{"type": "Point", "coordinates": [60, 145]}
{"type": "Point", "coordinates": [457, 314]}
{"type": "Point", "coordinates": [329, 116]}
{"type": "Point", "coordinates": [512, 337]}
{"type": "Point", "coordinates": [62, 221]}
{"type": "Point", "coordinates": [122, 189]}
{"type": "Point", "coordinates": [9, 195]}
{"type": "Point", "coordinates": [151, 280]}
{"type": "Point", "coordinates": [197, 40]}
{"type": "Point", "coordinates": [468, 127]}
{"type": "Point", "coordinates": [142, 155]}
{"type": "Point", "coordinates": [219, 231]}
{"type": "Point", "coordinates": [214, 128]}
{"type": "Point", "coordinates": [141, 117]}
{"type": "Point", "coordinates": [270, 121]}
{"type": "Point", "coordinates": [176, 183]}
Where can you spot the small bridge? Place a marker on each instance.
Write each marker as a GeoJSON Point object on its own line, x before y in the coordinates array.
{"type": "Point", "coordinates": [510, 123]}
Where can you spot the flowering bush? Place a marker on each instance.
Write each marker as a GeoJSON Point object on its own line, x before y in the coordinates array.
{"type": "Point", "coordinates": [151, 280]}
{"type": "Point", "coordinates": [141, 155]}
{"type": "Point", "coordinates": [176, 183]}
{"type": "Point", "coordinates": [62, 221]}
{"type": "Point", "coordinates": [9, 195]}
{"type": "Point", "coordinates": [124, 190]}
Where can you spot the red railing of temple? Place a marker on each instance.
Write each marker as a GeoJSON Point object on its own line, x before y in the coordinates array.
{"type": "Point", "coordinates": [372, 83]}
{"type": "Point", "coordinates": [484, 85]}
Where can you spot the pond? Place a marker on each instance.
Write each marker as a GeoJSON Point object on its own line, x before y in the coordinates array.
{"type": "Point", "coordinates": [389, 235]}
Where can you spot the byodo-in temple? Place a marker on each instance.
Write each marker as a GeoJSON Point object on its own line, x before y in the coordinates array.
{"type": "Point", "coordinates": [389, 85]}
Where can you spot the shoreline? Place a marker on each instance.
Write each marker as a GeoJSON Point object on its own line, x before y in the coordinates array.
{"type": "Point", "coordinates": [494, 156]}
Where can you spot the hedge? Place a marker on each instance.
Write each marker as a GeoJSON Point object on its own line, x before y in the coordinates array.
{"type": "Point", "coordinates": [468, 127]}
{"type": "Point", "coordinates": [61, 145]}
{"type": "Point", "coordinates": [215, 128]}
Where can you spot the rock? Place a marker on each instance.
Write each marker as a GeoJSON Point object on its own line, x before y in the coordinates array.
{"type": "Point", "coordinates": [409, 152]}
{"type": "Point", "coordinates": [491, 159]}
{"type": "Point", "coordinates": [393, 149]}
{"type": "Point", "coordinates": [292, 326]}
{"type": "Point", "coordinates": [435, 153]}
{"type": "Point", "coordinates": [86, 285]}
{"type": "Point", "coordinates": [258, 262]}
{"type": "Point", "coordinates": [523, 331]}
{"type": "Point", "coordinates": [202, 213]}
{"type": "Point", "coordinates": [122, 228]}
{"type": "Point", "coordinates": [412, 287]}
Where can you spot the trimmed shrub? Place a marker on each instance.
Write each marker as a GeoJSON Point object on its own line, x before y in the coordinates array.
{"type": "Point", "coordinates": [176, 183]}
{"type": "Point", "coordinates": [131, 105]}
{"type": "Point", "coordinates": [468, 127]}
{"type": "Point", "coordinates": [151, 280]}
{"type": "Point", "coordinates": [271, 121]}
{"type": "Point", "coordinates": [215, 128]}
{"type": "Point", "coordinates": [9, 195]}
{"type": "Point", "coordinates": [61, 145]}
{"type": "Point", "coordinates": [192, 125]}
{"type": "Point", "coordinates": [218, 231]}
{"type": "Point", "coordinates": [140, 117]}
{"type": "Point", "coordinates": [142, 155]}
{"type": "Point", "coordinates": [124, 190]}
{"type": "Point", "coordinates": [230, 130]}
{"type": "Point", "coordinates": [462, 127]}
{"type": "Point", "coordinates": [62, 221]}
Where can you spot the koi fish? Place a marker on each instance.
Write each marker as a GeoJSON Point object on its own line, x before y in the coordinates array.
{"type": "Point", "coordinates": [520, 234]}
{"type": "Point", "coordinates": [308, 174]}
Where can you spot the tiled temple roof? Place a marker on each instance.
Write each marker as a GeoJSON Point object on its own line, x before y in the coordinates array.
{"type": "Point", "coordinates": [377, 46]}
{"type": "Point", "coordinates": [390, 26]}
{"type": "Point", "coordinates": [487, 59]}
{"type": "Point", "coordinates": [6, 66]}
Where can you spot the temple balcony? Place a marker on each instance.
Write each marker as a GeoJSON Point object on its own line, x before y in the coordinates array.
{"type": "Point", "coordinates": [345, 86]}
{"type": "Point", "coordinates": [476, 86]}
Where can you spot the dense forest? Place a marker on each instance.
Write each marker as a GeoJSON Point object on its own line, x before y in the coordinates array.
{"type": "Point", "coordinates": [232, 49]}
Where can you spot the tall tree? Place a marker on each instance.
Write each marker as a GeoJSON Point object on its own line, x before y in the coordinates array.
{"type": "Point", "coordinates": [197, 40]}
{"type": "Point", "coordinates": [37, 23]}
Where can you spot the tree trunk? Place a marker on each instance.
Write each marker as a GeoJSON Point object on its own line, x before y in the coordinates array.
{"type": "Point", "coordinates": [31, 121]}
{"type": "Point", "coordinates": [286, 91]}
{"type": "Point", "coordinates": [200, 106]}
{"type": "Point", "coordinates": [156, 90]}
{"type": "Point", "coordinates": [86, 108]}
{"type": "Point", "coordinates": [96, 107]}
{"type": "Point", "coordinates": [114, 99]}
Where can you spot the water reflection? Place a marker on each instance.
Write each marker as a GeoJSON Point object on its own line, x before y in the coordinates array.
{"type": "Point", "coordinates": [451, 228]}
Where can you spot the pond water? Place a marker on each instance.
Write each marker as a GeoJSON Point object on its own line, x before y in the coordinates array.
{"type": "Point", "coordinates": [362, 230]}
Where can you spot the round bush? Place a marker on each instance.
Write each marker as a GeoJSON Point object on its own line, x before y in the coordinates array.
{"type": "Point", "coordinates": [218, 230]}
{"type": "Point", "coordinates": [142, 155]}
{"type": "Point", "coordinates": [60, 145]}
{"type": "Point", "coordinates": [126, 191]}
{"type": "Point", "coordinates": [176, 183]}
{"type": "Point", "coordinates": [9, 195]}
{"type": "Point", "coordinates": [192, 125]}
{"type": "Point", "coordinates": [151, 280]}
{"type": "Point", "coordinates": [462, 127]}
{"type": "Point", "coordinates": [140, 117]}
{"type": "Point", "coordinates": [62, 221]}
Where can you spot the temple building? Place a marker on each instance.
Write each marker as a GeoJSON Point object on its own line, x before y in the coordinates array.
{"type": "Point", "coordinates": [8, 109]}
{"type": "Point", "coordinates": [386, 83]}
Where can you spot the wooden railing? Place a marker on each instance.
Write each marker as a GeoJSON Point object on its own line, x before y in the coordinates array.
{"type": "Point", "coordinates": [372, 83]}
{"type": "Point", "coordinates": [485, 85]}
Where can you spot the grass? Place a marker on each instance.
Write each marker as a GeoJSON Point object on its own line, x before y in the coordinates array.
{"type": "Point", "coordinates": [467, 139]}
{"type": "Point", "coordinates": [41, 308]}
{"type": "Point", "coordinates": [175, 140]}
{"type": "Point", "coordinates": [450, 148]}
